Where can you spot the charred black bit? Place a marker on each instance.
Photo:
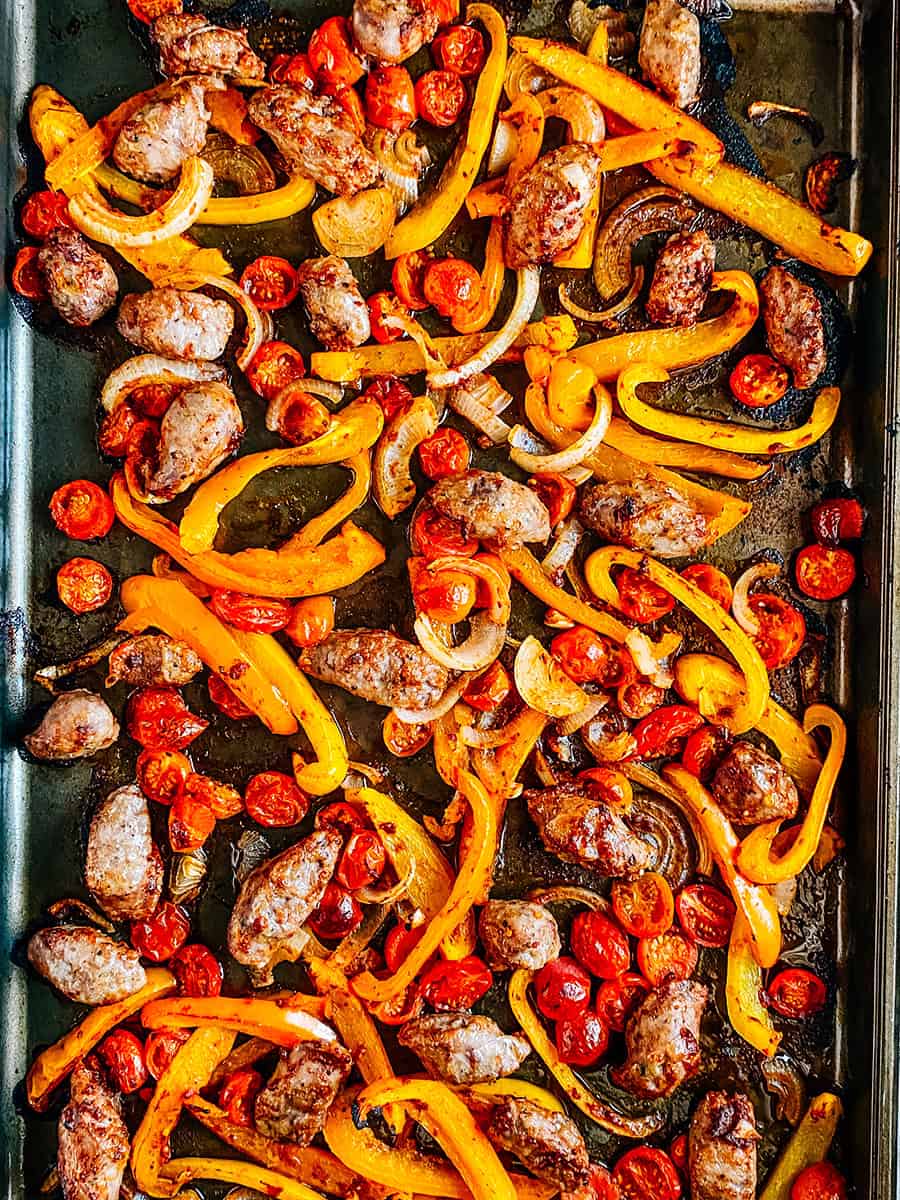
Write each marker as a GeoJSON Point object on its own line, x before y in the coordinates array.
{"type": "Point", "coordinates": [48, 677]}
{"type": "Point", "coordinates": [715, 10]}
{"type": "Point", "coordinates": [761, 111]}
{"type": "Point", "coordinates": [822, 178]}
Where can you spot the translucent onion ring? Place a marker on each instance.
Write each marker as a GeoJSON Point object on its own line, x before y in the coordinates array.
{"type": "Point", "coordinates": [573, 455]}
{"type": "Point", "coordinates": [481, 647]}
{"type": "Point", "coordinates": [648, 779]}
{"type": "Point", "coordinates": [94, 217]}
{"type": "Point", "coordinates": [597, 316]}
{"type": "Point", "coordinates": [145, 369]}
{"type": "Point", "coordinates": [392, 482]}
{"type": "Point", "coordinates": [740, 603]}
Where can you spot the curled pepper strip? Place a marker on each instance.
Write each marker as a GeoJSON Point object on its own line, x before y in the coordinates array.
{"type": "Point", "coordinates": [756, 903]}
{"type": "Point", "coordinates": [317, 528]}
{"type": "Point", "coordinates": [721, 434]}
{"type": "Point", "coordinates": [358, 1031]}
{"type": "Point", "coordinates": [493, 273]}
{"type": "Point", "coordinates": [284, 1023]}
{"type": "Point", "coordinates": [524, 567]}
{"type": "Point", "coordinates": [703, 459]}
{"type": "Point", "coordinates": [749, 706]}
{"type": "Point", "coordinates": [743, 991]}
{"type": "Point", "coordinates": [808, 1144]}
{"type": "Point", "coordinates": [592, 1106]}
{"type": "Point", "coordinates": [755, 855]}
{"type": "Point", "coordinates": [228, 1170]}
{"type": "Point", "coordinates": [55, 1063]}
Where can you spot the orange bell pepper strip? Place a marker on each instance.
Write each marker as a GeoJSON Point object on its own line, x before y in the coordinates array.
{"type": "Point", "coordinates": [228, 113]}
{"type": "Point", "coordinates": [755, 856]}
{"type": "Point", "coordinates": [592, 1106]}
{"type": "Point", "coordinates": [498, 769]}
{"type": "Point", "coordinates": [53, 1065]}
{"type": "Point", "coordinates": [317, 528]}
{"type": "Point", "coordinates": [756, 903]}
{"type": "Point", "coordinates": [282, 1022]}
{"type": "Point", "coordinates": [493, 274]}
{"type": "Point", "coordinates": [632, 149]}
{"type": "Point", "coordinates": [808, 1144]}
{"type": "Point", "coordinates": [180, 1171]}
{"type": "Point", "coordinates": [488, 199]}
{"type": "Point", "coordinates": [524, 567]}
{"type": "Point", "coordinates": [748, 1015]}
{"type": "Point", "coordinates": [704, 460]}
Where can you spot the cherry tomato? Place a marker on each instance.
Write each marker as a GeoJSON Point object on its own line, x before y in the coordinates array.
{"type": "Point", "coordinates": [556, 493]}
{"type": "Point", "coordinates": [408, 278]}
{"type": "Point", "coordinates": [705, 914]}
{"type": "Point", "coordinates": [390, 98]}
{"type": "Point", "coordinates": [225, 700]}
{"type": "Point", "coordinates": [337, 914]}
{"type": "Point", "coordinates": [455, 984]}
{"type": "Point", "coordinates": [670, 955]}
{"type": "Point", "coordinates": [820, 1181]}
{"type": "Point", "coordinates": [452, 285]}
{"type": "Point", "coordinates": [645, 1171]}
{"type": "Point", "coordinates": [43, 212]}
{"type": "Point", "coordinates": [661, 733]}
{"type": "Point", "coordinates": [159, 719]}
{"type": "Point", "coordinates": [149, 11]}
{"type": "Point", "coordinates": [253, 614]}
{"type": "Point", "coordinates": [270, 282]}
{"type": "Point", "coordinates": [161, 1047]}
{"type": "Point", "coordinates": [343, 817]}
{"type": "Point", "coordinates": [712, 581]}
{"type": "Point", "coordinates": [440, 98]}
{"type": "Point", "coordinates": [589, 657]}
{"type": "Point", "coordinates": [238, 1093]}
{"type": "Point", "coordinates": [610, 785]}
{"type": "Point", "coordinates": [600, 945]}
{"type": "Point", "coordinates": [581, 1039]}
{"type": "Point", "coordinates": [399, 1009]}
{"type": "Point", "coordinates": [161, 774]}
{"type": "Point", "coordinates": [562, 988]}
{"type": "Point", "coordinates": [678, 1152]}
{"type": "Point", "coordinates": [384, 307]}
{"type": "Point", "coordinates": [447, 595]}
{"type": "Point", "coordinates": [490, 690]}
{"type": "Point", "coordinates": [796, 992]}
{"type": "Point", "coordinates": [27, 278]}
{"type": "Point", "coordinates": [122, 1053]}
{"type": "Point", "coordinates": [640, 598]}
{"type": "Point", "coordinates": [446, 11]}
{"type": "Point", "coordinates": [782, 629]}
{"type": "Point", "coordinates": [82, 510]}
{"type": "Point", "coordinates": [158, 937]}
{"type": "Point", "coordinates": [601, 1185]}
{"type": "Point", "coordinates": [638, 700]}
{"type": "Point", "coordinates": [331, 53]}
{"type": "Point", "coordinates": [362, 862]}
{"type": "Point", "coordinates": [190, 823]}
{"type": "Point", "coordinates": [445, 453]}
{"type": "Point", "coordinates": [274, 366]}
{"type": "Point", "coordinates": [301, 416]}
{"type": "Point", "coordinates": [398, 943]}
{"type": "Point", "coordinates": [824, 572]}
{"type": "Point", "coordinates": [221, 799]}
{"type": "Point", "coordinates": [402, 739]}
{"type": "Point", "coordinates": [154, 400]}
{"type": "Point", "coordinates": [348, 99]}
{"type": "Point", "coordinates": [391, 393]}
{"type": "Point", "coordinates": [618, 998]}
{"type": "Point", "coordinates": [703, 751]}
{"type": "Point", "coordinates": [644, 907]}
{"type": "Point", "coordinates": [759, 381]}
{"type": "Point", "coordinates": [83, 585]}
{"type": "Point", "coordinates": [292, 69]}
{"type": "Point", "coordinates": [274, 799]}
{"type": "Point", "coordinates": [115, 430]}
{"type": "Point", "coordinates": [838, 520]}
{"type": "Point", "coordinates": [311, 621]}
{"type": "Point", "coordinates": [459, 49]}
{"type": "Point", "coordinates": [434, 535]}
{"type": "Point", "coordinates": [197, 971]}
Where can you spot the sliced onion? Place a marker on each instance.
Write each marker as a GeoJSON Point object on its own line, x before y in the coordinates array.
{"type": "Point", "coordinates": [574, 455]}
{"type": "Point", "coordinates": [597, 316]}
{"type": "Point", "coordinates": [72, 904]}
{"type": "Point", "coordinates": [403, 162]}
{"type": "Point", "coordinates": [503, 148]}
{"type": "Point", "coordinates": [481, 647]}
{"type": "Point", "coordinates": [244, 166]}
{"type": "Point", "coordinates": [424, 716]}
{"type": "Point", "coordinates": [470, 406]}
{"type": "Point", "coordinates": [186, 875]}
{"type": "Point", "coordinates": [368, 771]}
{"type": "Point", "coordinates": [565, 892]}
{"type": "Point", "coordinates": [543, 684]}
{"type": "Point", "coordinates": [352, 946]}
{"type": "Point", "coordinates": [651, 659]}
{"type": "Point", "coordinates": [492, 739]}
{"type": "Point", "coordinates": [525, 76]}
{"type": "Point", "coordinates": [607, 738]}
{"type": "Point", "coordinates": [563, 549]}
{"type": "Point", "coordinates": [498, 585]}
{"type": "Point", "coordinates": [579, 719]}
{"type": "Point", "coordinates": [49, 676]}
{"type": "Point", "coordinates": [785, 1082]}
{"type": "Point", "coordinates": [392, 482]}
{"type": "Point", "coordinates": [521, 438]}
{"type": "Point", "coordinates": [145, 369]}
{"type": "Point", "coordinates": [94, 217]}
{"type": "Point", "coordinates": [259, 324]}
{"type": "Point", "coordinates": [652, 209]}
{"type": "Point", "coordinates": [280, 405]}
{"type": "Point", "coordinates": [356, 226]}
{"type": "Point", "coordinates": [401, 319]}
{"type": "Point", "coordinates": [648, 779]}
{"type": "Point", "coordinates": [740, 604]}
{"type": "Point", "coordinates": [666, 827]}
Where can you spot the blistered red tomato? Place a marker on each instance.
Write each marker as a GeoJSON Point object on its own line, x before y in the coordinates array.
{"type": "Point", "coordinates": [712, 581]}
{"type": "Point", "coordinates": [703, 751]}
{"type": "Point", "coordinates": [331, 53]}
{"type": "Point", "coordinates": [408, 278]}
{"type": "Point", "coordinates": [403, 738]}
{"type": "Point", "coordinates": [644, 907]}
{"type": "Point", "coordinates": [446, 11]}
{"type": "Point", "coordinates": [274, 366]}
{"type": "Point", "coordinates": [349, 100]}
{"type": "Point", "coordinates": [445, 453]}
{"type": "Point", "coordinates": [82, 509]}
{"type": "Point", "coordinates": [460, 49]}
{"type": "Point", "coordinates": [610, 785]}
{"type": "Point", "coordinates": [190, 823]}
{"type": "Point", "coordinates": [456, 983]}
{"type": "Point", "coordinates": [294, 70]}
{"type": "Point", "coordinates": [161, 1047]}
{"type": "Point", "coordinates": [363, 860]}
{"type": "Point", "coordinates": [589, 657]}
{"type": "Point", "coordinates": [661, 733]}
{"type": "Point", "coordinates": [782, 629]}
{"type": "Point", "coordinates": [556, 493]}
{"type": "Point", "coordinates": [618, 998]}
{"type": "Point", "coordinates": [311, 621]}
{"type": "Point", "coordinates": [581, 1039]}
{"type": "Point", "coordinates": [274, 799]}
{"type": "Point", "coordinates": [253, 614]}
{"type": "Point", "coordinates": [601, 1185]}
{"type": "Point", "coordinates": [159, 719]}
{"type": "Point", "coordinates": [600, 945]}
{"type": "Point", "coordinates": [490, 690]}
{"type": "Point", "coordinates": [562, 988]}
{"type": "Point", "coordinates": [222, 800]}
{"type": "Point", "coordinates": [161, 774]}
{"type": "Point", "coordinates": [83, 585]}
{"type": "Point", "coordinates": [390, 98]}
{"type": "Point", "coordinates": [440, 98]}
{"type": "Point", "coordinates": [639, 699]}
{"type": "Point", "coordinates": [819, 1181]}
{"type": "Point", "coordinates": [824, 572]}
{"type": "Point", "coordinates": [116, 430]}
{"type": "Point", "coordinates": [678, 1152]}
{"type": "Point", "coordinates": [758, 381]}
{"type": "Point", "coordinates": [434, 535]}
{"type": "Point", "coordinates": [705, 914]}
{"type": "Point", "coordinates": [840, 519]}
{"type": "Point", "coordinates": [149, 11]}
{"type": "Point", "coordinates": [646, 1171]}
{"type": "Point", "coordinates": [122, 1053]}
{"type": "Point", "coordinates": [159, 936]}
{"type": "Point", "coordinates": [447, 595]}
{"type": "Point", "coordinates": [238, 1093]}
{"type": "Point", "coordinates": [398, 943]}
{"type": "Point", "coordinates": [671, 955]}
{"type": "Point", "coordinates": [340, 815]}
{"type": "Point", "coordinates": [384, 308]}
{"type": "Point", "coordinates": [270, 282]}
{"type": "Point", "coordinates": [197, 971]}
{"type": "Point", "coordinates": [640, 598]}
{"type": "Point", "coordinates": [27, 278]}
{"type": "Point", "coordinates": [796, 992]}
{"type": "Point", "coordinates": [43, 212]}
{"type": "Point", "coordinates": [154, 400]}
{"type": "Point", "coordinates": [452, 285]}
{"type": "Point", "coordinates": [337, 914]}
{"type": "Point", "coordinates": [390, 393]}
{"type": "Point", "coordinates": [225, 700]}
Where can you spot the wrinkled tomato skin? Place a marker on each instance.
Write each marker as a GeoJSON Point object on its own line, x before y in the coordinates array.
{"type": "Point", "coordinates": [43, 212]}
{"type": "Point", "coordinates": [221, 799]}
{"type": "Point", "coordinates": [556, 493]}
{"type": "Point", "coordinates": [460, 49]}
{"type": "Point", "coordinates": [825, 572]}
{"type": "Point", "coordinates": [343, 817]}
{"type": "Point", "coordinates": [581, 1039]}
{"type": "Point", "coordinates": [122, 1053]}
{"type": "Point", "coordinates": [819, 1181]}
{"type": "Point", "coordinates": [161, 774]}
{"type": "Point", "coordinates": [456, 984]}
{"type": "Point", "coordinates": [451, 285]}
{"type": "Point", "coordinates": [447, 595]}
{"type": "Point", "coordinates": [82, 510]}
{"type": "Point", "coordinates": [638, 700]}
{"type": "Point", "coordinates": [782, 630]}
{"type": "Point", "coordinates": [311, 621]}
{"type": "Point", "coordinates": [83, 585]}
{"type": "Point", "coordinates": [659, 734]}
{"type": "Point", "coordinates": [841, 519]}
{"type": "Point", "coordinates": [337, 914]}
{"type": "Point", "coordinates": [158, 937]}
{"type": "Point", "coordinates": [408, 279]}
{"type": "Point", "coordinates": [703, 751]}
{"type": "Point", "coordinates": [670, 955]}
{"type": "Point", "coordinates": [274, 366]}
{"type": "Point", "coordinates": [444, 453]}
{"type": "Point", "coordinates": [273, 799]}
{"type": "Point", "coordinates": [116, 429]}
{"type": "Point", "coordinates": [390, 393]}
{"type": "Point", "coordinates": [270, 282]}
{"type": "Point", "coordinates": [645, 1172]}
{"type": "Point", "coordinates": [795, 993]}
{"type": "Point", "coordinates": [402, 739]}
{"type": "Point", "coordinates": [384, 307]}
{"type": "Point", "coordinates": [600, 945]}
{"type": "Point", "coordinates": [490, 690]}
{"type": "Point", "coordinates": [589, 657]}
{"type": "Point", "coordinates": [644, 907]}
{"type": "Point", "coordinates": [712, 581]}
{"type": "Point", "coordinates": [398, 943]}
{"type": "Point", "coordinates": [433, 535]}
{"type": "Point", "coordinates": [159, 719]}
{"type": "Point", "coordinates": [390, 98]}
{"type": "Point", "coordinates": [161, 1047]}
{"type": "Point", "coordinates": [618, 998]}
{"type": "Point", "coordinates": [154, 400]}
{"type": "Point", "coordinates": [225, 700]}
{"type": "Point", "coordinates": [292, 69]}
{"type": "Point", "coordinates": [190, 823]}
{"type": "Point", "coordinates": [197, 971]}
{"type": "Point", "coordinates": [640, 598]}
{"type": "Point", "coordinates": [238, 1093]}
{"type": "Point", "coordinates": [706, 914]}
{"type": "Point", "coordinates": [252, 614]}
{"type": "Point", "coordinates": [331, 53]}
{"type": "Point", "coordinates": [363, 860]}
{"type": "Point", "coordinates": [562, 988]}
{"type": "Point", "coordinates": [440, 98]}
{"type": "Point", "coordinates": [27, 279]}
{"type": "Point", "coordinates": [758, 381]}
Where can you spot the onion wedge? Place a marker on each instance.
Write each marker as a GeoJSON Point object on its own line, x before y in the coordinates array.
{"type": "Point", "coordinates": [481, 647]}
{"type": "Point", "coordinates": [543, 684]}
{"type": "Point", "coordinates": [146, 369]}
{"type": "Point", "coordinates": [393, 485]}
{"type": "Point", "coordinates": [354, 226]}
{"type": "Point", "coordinates": [574, 455]}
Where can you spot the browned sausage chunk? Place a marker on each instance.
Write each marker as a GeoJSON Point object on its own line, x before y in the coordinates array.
{"type": "Point", "coordinates": [645, 515]}
{"type": "Point", "coordinates": [317, 137]}
{"type": "Point", "coordinates": [492, 507]}
{"type": "Point", "coordinates": [338, 315]}
{"type": "Point", "coordinates": [547, 204]}
{"type": "Point", "coordinates": [76, 725]}
{"type": "Point", "coordinates": [391, 31]}
{"type": "Point", "coordinates": [86, 965]}
{"type": "Point", "coordinates": [295, 1102]}
{"type": "Point", "coordinates": [153, 659]}
{"type": "Point", "coordinates": [682, 278]}
{"type": "Point", "coordinates": [176, 324]}
{"type": "Point", "coordinates": [722, 1148]}
{"type": "Point", "coordinates": [462, 1048]}
{"type": "Point", "coordinates": [378, 666]}
{"type": "Point", "coordinates": [663, 1039]}
{"type": "Point", "coordinates": [93, 1138]}
{"type": "Point", "coordinates": [751, 786]}
{"type": "Point", "coordinates": [669, 53]}
{"type": "Point", "coordinates": [577, 825]}
{"type": "Point", "coordinates": [202, 427]}
{"type": "Point", "coordinates": [518, 933]}
{"type": "Point", "coordinates": [80, 282]}
{"type": "Point", "coordinates": [154, 143]}
{"type": "Point", "coordinates": [266, 925]}
{"type": "Point", "coordinates": [548, 1143]}
{"type": "Point", "coordinates": [124, 869]}
{"type": "Point", "coordinates": [191, 45]}
{"type": "Point", "coordinates": [794, 328]}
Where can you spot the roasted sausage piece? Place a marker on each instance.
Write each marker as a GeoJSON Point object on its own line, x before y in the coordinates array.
{"type": "Point", "coordinates": [202, 427]}
{"type": "Point", "coordinates": [547, 204]}
{"type": "Point", "coordinates": [794, 328]}
{"type": "Point", "coordinates": [176, 324]}
{"type": "Point", "coordinates": [663, 1040]}
{"type": "Point", "coordinates": [669, 52]}
{"type": "Point", "coordinates": [338, 315]}
{"type": "Point", "coordinates": [463, 1048]}
{"type": "Point", "coordinates": [390, 31]}
{"type": "Point", "coordinates": [378, 666]}
{"type": "Point", "coordinates": [518, 933]}
{"type": "Point", "coordinates": [190, 44]}
{"type": "Point", "coordinates": [80, 282]}
{"type": "Point", "coordinates": [577, 825]}
{"type": "Point", "coordinates": [153, 659]}
{"type": "Point", "coordinates": [266, 925]}
{"type": "Point", "coordinates": [293, 1105]}
{"type": "Point", "coordinates": [153, 144]}
{"type": "Point", "coordinates": [548, 1143]}
{"type": "Point", "coordinates": [86, 965]}
{"type": "Point", "coordinates": [751, 786]}
{"type": "Point", "coordinates": [682, 279]}
{"type": "Point", "coordinates": [722, 1148]}
{"type": "Point", "coordinates": [76, 725]}
{"type": "Point", "coordinates": [492, 507]}
{"type": "Point", "coordinates": [645, 515]}
{"type": "Point", "coordinates": [123, 868]}
{"type": "Point", "coordinates": [317, 137]}
{"type": "Point", "coordinates": [93, 1139]}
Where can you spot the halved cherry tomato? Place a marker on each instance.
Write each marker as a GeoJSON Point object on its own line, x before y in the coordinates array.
{"type": "Point", "coordinates": [440, 98]}
{"type": "Point", "coordinates": [446, 11]}
{"type": "Point", "coordinates": [451, 285]}
{"type": "Point", "coordinates": [645, 1171]}
{"type": "Point", "coordinates": [342, 816]}
{"type": "Point", "coordinates": [225, 700]}
{"type": "Point", "coordinates": [337, 914]}
{"type": "Point", "coordinates": [391, 393]}
{"type": "Point", "coordinates": [795, 993]}
{"type": "Point", "coordinates": [349, 100]}
{"type": "Point", "coordinates": [161, 774]}
{"type": "Point", "coordinates": [270, 282]}
{"type": "Point", "coordinates": [488, 691]}
{"type": "Point", "coordinates": [197, 970]}
{"type": "Point", "coordinates": [611, 786]}
{"type": "Point", "coordinates": [705, 914]}
{"type": "Point", "coordinates": [238, 1093]}
{"type": "Point", "coordinates": [581, 1039]}
{"type": "Point", "coordinates": [639, 699]}
{"type": "Point", "coordinates": [402, 739]}
{"type": "Point", "coordinates": [331, 53]}
{"type": "Point", "coordinates": [122, 1053]}
{"type": "Point", "coordinates": [670, 955]}
{"type": "Point", "coordinates": [253, 614]}
{"type": "Point", "coordinates": [759, 381]}
{"type": "Point", "coordinates": [311, 621]}
{"type": "Point", "coordinates": [274, 366]}
{"type": "Point", "coordinates": [820, 1181]}
{"type": "Point", "coordinates": [390, 98]}
{"type": "Point", "coordinates": [83, 585]}
{"type": "Point", "coordinates": [644, 907]}
{"type": "Point", "coordinates": [445, 453]}
{"type": "Point", "coordinates": [154, 400]}
{"type": "Point", "coordinates": [27, 278]}
{"type": "Point", "coordinates": [161, 1047]}
{"type": "Point", "coordinates": [446, 595]}
{"type": "Point", "coordinates": [158, 937]}
{"type": "Point", "coordinates": [273, 799]}
{"type": "Point", "coordinates": [618, 998]}
{"type": "Point", "coordinates": [455, 984]}
{"type": "Point", "coordinates": [601, 1185]}
{"type": "Point", "coordinates": [660, 734]}
{"type": "Point", "coordinates": [556, 493]}
{"type": "Point", "coordinates": [589, 657]}
{"type": "Point", "coordinates": [383, 309]}
{"type": "Point", "coordinates": [600, 945]}
{"type": "Point", "coordinates": [398, 943]}
{"type": "Point", "coordinates": [703, 751]}
{"type": "Point", "coordinates": [434, 535]}
{"type": "Point", "coordinates": [459, 49]}
{"type": "Point", "coordinates": [115, 430]}
{"type": "Point", "coordinates": [303, 418]}
{"type": "Point", "coordinates": [222, 800]}
{"type": "Point", "coordinates": [782, 629]}
{"type": "Point", "coordinates": [562, 988]}
{"type": "Point", "coordinates": [159, 719]}
{"type": "Point", "coordinates": [678, 1152]}
{"type": "Point", "coordinates": [840, 519]}
{"type": "Point", "coordinates": [824, 572]}
{"type": "Point", "coordinates": [363, 860]}
{"type": "Point", "coordinates": [640, 598]}
{"type": "Point", "coordinates": [43, 212]}
{"type": "Point", "coordinates": [712, 581]}
{"type": "Point", "coordinates": [190, 823]}
{"type": "Point", "coordinates": [292, 69]}
{"type": "Point", "coordinates": [82, 510]}
{"type": "Point", "coordinates": [149, 11]}
{"type": "Point", "coordinates": [408, 278]}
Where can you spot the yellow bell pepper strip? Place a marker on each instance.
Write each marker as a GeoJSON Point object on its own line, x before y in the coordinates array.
{"type": "Point", "coordinates": [749, 1017]}
{"type": "Point", "coordinates": [648, 779]}
{"type": "Point", "coordinates": [808, 1144]}
{"type": "Point", "coordinates": [488, 199]}
{"type": "Point", "coordinates": [755, 859]}
{"type": "Point", "coordinates": [54, 1064]}
{"type": "Point", "coordinates": [571, 402]}
{"type": "Point", "coordinates": [317, 528]}
{"type": "Point", "coordinates": [354, 430]}
{"type": "Point", "coordinates": [357, 1029]}
{"type": "Point", "coordinates": [493, 273]}
{"type": "Point", "coordinates": [524, 567]}
{"type": "Point", "coordinates": [755, 903]}
{"type": "Point", "coordinates": [499, 769]}
{"type": "Point", "coordinates": [438, 1109]}
{"type": "Point", "coordinates": [592, 1106]}
{"type": "Point", "coordinates": [434, 212]}
{"type": "Point", "coordinates": [701, 459]}
{"type": "Point", "coordinates": [284, 1023]}
{"type": "Point", "coordinates": [173, 609]}
{"type": "Point", "coordinates": [187, 1073]}
{"type": "Point", "coordinates": [722, 434]}
{"type": "Point", "coordinates": [180, 1171]}
{"type": "Point", "coordinates": [634, 148]}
